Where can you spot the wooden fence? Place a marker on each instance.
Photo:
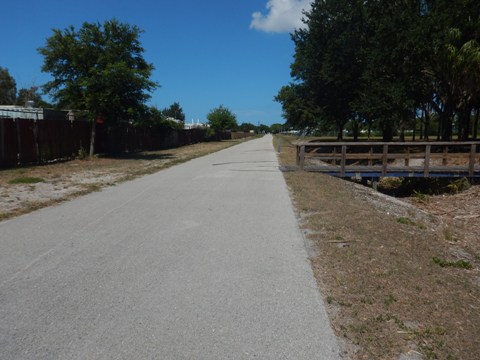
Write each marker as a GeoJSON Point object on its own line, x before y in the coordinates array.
{"type": "Point", "coordinates": [24, 141]}
{"type": "Point", "coordinates": [29, 141]}
{"type": "Point", "coordinates": [380, 159]}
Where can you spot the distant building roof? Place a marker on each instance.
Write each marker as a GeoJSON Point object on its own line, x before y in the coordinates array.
{"type": "Point", "coordinates": [21, 112]}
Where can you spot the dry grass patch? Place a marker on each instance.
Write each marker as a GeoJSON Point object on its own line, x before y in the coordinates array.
{"type": "Point", "coordinates": [26, 189]}
{"type": "Point", "coordinates": [393, 282]}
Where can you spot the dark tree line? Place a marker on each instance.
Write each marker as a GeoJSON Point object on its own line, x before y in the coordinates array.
{"type": "Point", "coordinates": [24, 96]}
{"type": "Point", "coordinates": [387, 65]}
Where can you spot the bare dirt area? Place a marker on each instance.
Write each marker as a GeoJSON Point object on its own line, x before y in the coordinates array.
{"type": "Point", "coordinates": [26, 189]}
{"type": "Point", "coordinates": [400, 277]}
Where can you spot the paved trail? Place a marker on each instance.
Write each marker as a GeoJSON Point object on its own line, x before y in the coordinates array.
{"type": "Point", "coordinates": [200, 261]}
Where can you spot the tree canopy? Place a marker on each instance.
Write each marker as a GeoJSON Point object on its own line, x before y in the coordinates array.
{"type": "Point", "coordinates": [174, 111]}
{"type": "Point", "coordinates": [99, 69]}
{"type": "Point", "coordinates": [8, 87]}
{"type": "Point", "coordinates": [25, 95]}
{"type": "Point", "coordinates": [382, 63]}
{"type": "Point", "coordinates": [222, 118]}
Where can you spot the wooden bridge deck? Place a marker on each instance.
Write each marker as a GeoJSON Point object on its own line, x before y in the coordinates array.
{"type": "Point", "coordinates": [380, 159]}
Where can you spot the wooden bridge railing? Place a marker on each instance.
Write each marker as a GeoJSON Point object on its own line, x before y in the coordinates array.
{"type": "Point", "coordinates": [427, 159]}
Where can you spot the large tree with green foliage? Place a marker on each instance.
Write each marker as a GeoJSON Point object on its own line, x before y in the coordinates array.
{"type": "Point", "coordinates": [455, 62]}
{"type": "Point", "coordinates": [99, 69]}
{"type": "Point", "coordinates": [380, 63]}
{"type": "Point", "coordinates": [328, 60]}
{"type": "Point", "coordinates": [174, 111]}
{"type": "Point", "coordinates": [221, 119]}
{"type": "Point", "coordinates": [299, 109]}
{"type": "Point", "coordinates": [394, 54]}
{"type": "Point", "coordinates": [8, 87]}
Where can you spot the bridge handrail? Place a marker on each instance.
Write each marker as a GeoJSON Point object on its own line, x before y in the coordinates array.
{"type": "Point", "coordinates": [385, 155]}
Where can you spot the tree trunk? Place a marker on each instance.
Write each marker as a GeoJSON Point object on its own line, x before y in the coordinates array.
{"type": "Point", "coordinates": [426, 124]}
{"type": "Point", "coordinates": [447, 128]}
{"type": "Point", "coordinates": [464, 131]}
{"type": "Point", "coordinates": [340, 135]}
{"type": "Point", "coordinates": [414, 135]}
{"type": "Point", "coordinates": [92, 137]}
{"type": "Point", "coordinates": [475, 125]}
{"type": "Point", "coordinates": [355, 130]}
{"type": "Point", "coordinates": [446, 121]}
{"type": "Point", "coordinates": [387, 131]}
{"type": "Point", "coordinates": [340, 132]}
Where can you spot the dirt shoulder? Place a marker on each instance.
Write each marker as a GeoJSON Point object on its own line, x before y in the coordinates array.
{"type": "Point", "coordinates": [401, 279]}
{"type": "Point", "coordinates": [26, 189]}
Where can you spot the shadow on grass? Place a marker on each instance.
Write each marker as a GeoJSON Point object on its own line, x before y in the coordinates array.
{"type": "Point", "coordinates": [142, 156]}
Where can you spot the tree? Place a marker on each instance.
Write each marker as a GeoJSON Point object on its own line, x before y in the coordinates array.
{"type": "Point", "coordinates": [247, 127]}
{"type": "Point", "coordinates": [299, 109]}
{"type": "Point", "coordinates": [25, 95]}
{"type": "Point", "coordinates": [263, 129]}
{"type": "Point", "coordinates": [153, 117]}
{"type": "Point", "coordinates": [276, 128]}
{"type": "Point", "coordinates": [221, 119]}
{"type": "Point", "coordinates": [99, 69]}
{"type": "Point", "coordinates": [328, 59]}
{"type": "Point", "coordinates": [8, 87]}
{"type": "Point", "coordinates": [394, 56]}
{"type": "Point", "coordinates": [175, 111]}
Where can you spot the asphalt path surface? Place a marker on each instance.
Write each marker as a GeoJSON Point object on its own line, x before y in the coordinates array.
{"type": "Point", "coordinates": [203, 260]}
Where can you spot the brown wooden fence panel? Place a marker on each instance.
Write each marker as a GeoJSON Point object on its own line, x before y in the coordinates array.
{"type": "Point", "coordinates": [25, 132]}
{"type": "Point", "coordinates": [79, 136]}
{"type": "Point", "coordinates": [8, 143]}
{"type": "Point", "coordinates": [25, 141]}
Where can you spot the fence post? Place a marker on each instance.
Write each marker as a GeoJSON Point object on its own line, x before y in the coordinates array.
{"type": "Point", "coordinates": [302, 157]}
{"type": "Point", "coordinates": [445, 156]}
{"type": "Point", "coordinates": [473, 152]}
{"type": "Point", "coordinates": [35, 138]}
{"type": "Point", "coordinates": [407, 157]}
{"type": "Point", "coordinates": [426, 162]}
{"type": "Point", "coordinates": [19, 141]}
{"type": "Point", "coordinates": [384, 160]}
{"type": "Point", "coordinates": [343, 161]}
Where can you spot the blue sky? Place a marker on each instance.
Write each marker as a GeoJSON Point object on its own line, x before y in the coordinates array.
{"type": "Point", "coordinates": [206, 53]}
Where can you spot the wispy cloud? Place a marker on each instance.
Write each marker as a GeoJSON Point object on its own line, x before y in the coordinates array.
{"type": "Point", "coordinates": [281, 16]}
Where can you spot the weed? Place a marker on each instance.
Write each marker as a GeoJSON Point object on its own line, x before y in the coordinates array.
{"type": "Point", "coordinates": [458, 185]}
{"type": "Point", "coordinates": [367, 300]}
{"type": "Point", "coordinates": [360, 328]}
{"type": "Point", "coordinates": [450, 236]}
{"type": "Point", "coordinates": [405, 221]}
{"type": "Point", "coordinates": [26, 180]}
{"type": "Point", "coordinates": [420, 196]}
{"type": "Point", "coordinates": [460, 264]}
{"type": "Point", "coordinates": [428, 352]}
{"type": "Point", "coordinates": [82, 154]}
{"type": "Point", "coordinates": [389, 300]}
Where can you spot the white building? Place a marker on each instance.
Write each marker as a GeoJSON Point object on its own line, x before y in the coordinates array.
{"type": "Point", "coordinates": [194, 125]}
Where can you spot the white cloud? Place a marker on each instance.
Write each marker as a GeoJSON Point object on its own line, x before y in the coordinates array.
{"type": "Point", "coordinates": [282, 16]}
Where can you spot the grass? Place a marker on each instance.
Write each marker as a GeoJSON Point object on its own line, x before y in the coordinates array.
{"type": "Point", "coordinates": [26, 180]}
{"type": "Point", "coordinates": [405, 221]}
{"type": "Point", "coordinates": [385, 295]}
{"type": "Point", "coordinates": [460, 264]}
